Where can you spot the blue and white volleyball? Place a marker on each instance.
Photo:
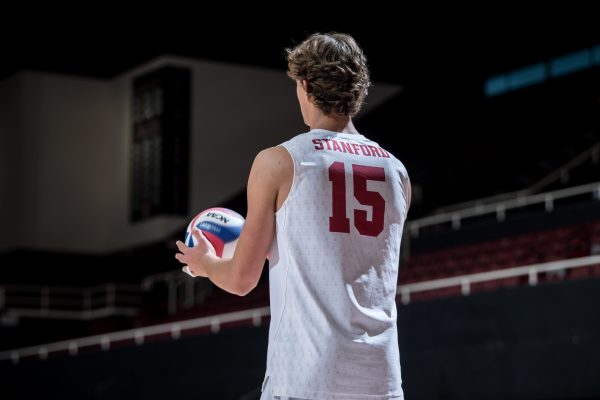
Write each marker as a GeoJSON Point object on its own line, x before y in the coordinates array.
{"type": "Point", "coordinates": [222, 228]}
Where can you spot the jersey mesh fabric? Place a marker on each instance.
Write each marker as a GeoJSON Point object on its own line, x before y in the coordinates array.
{"type": "Point", "coordinates": [333, 332]}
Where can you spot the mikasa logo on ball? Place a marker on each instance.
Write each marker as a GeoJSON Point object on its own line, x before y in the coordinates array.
{"type": "Point", "coordinates": [218, 216]}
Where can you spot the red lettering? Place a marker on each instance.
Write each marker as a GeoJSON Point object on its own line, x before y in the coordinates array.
{"type": "Point", "coordinates": [346, 148]}
{"type": "Point", "coordinates": [375, 150]}
{"type": "Point", "coordinates": [336, 146]}
{"type": "Point", "coordinates": [365, 150]}
{"type": "Point", "coordinates": [352, 148]}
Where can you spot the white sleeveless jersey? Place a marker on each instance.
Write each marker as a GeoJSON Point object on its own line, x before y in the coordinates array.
{"type": "Point", "coordinates": [333, 271]}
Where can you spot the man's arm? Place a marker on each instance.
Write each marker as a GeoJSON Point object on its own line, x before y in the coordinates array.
{"type": "Point", "coordinates": [240, 274]}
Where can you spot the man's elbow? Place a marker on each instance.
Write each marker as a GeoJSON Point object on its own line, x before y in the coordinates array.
{"type": "Point", "coordinates": [247, 278]}
{"type": "Point", "coordinates": [244, 290]}
{"type": "Point", "coordinates": [245, 287]}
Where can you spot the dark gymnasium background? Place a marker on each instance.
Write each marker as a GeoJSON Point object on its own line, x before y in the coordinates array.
{"type": "Point", "coordinates": [114, 134]}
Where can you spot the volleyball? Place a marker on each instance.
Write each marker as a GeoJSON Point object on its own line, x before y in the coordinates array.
{"type": "Point", "coordinates": [221, 226]}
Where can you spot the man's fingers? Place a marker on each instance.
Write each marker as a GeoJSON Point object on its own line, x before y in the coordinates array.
{"type": "Point", "coordinates": [202, 237]}
{"type": "Point", "coordinates": [180, 245]}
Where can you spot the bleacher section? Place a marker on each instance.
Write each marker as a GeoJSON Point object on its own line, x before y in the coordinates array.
{"type": "Point", "coordinates": [542, 246]}
{"type": "Point", "coordinates": [572, 231]}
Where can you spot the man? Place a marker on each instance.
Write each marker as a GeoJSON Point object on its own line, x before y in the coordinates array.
{"type": "Point", "coordinates": [328, 208]}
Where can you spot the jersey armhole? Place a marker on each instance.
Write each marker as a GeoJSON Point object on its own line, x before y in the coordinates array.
{"type": "Point", "coordinates": [293, 186]}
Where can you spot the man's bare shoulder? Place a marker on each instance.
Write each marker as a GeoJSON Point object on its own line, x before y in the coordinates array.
{"type": "Point", "coordinates": [275, 159]}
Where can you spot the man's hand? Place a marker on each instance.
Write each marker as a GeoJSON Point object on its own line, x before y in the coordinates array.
{"type": "Point", "coordinates": [196, 257]}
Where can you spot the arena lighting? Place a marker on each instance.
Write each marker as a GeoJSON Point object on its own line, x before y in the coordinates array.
{"type": "Point", "coordinates": [540, 72]}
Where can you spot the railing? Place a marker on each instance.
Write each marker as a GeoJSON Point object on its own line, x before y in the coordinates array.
{"type": "Point", "coordinates": [500, 208]}
{"type": "Point", "coordinates": [138, 335]}
{"type": "Point", "coordinates": [70, 303]}
{"type": "Point", "coordinates": [111, 299]}
{"type": "Point", "coordinates": [465, 281]}
{"type": "Point", "coordinates": [562, 174]}
{"type": "Point", "coordinates": [174, 329]}
{"type": "Point", "coordinates": [183, 291]}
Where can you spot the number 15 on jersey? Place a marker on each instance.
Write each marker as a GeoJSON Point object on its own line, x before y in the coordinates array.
{"type": "Point", "coordinates": [339, 222]}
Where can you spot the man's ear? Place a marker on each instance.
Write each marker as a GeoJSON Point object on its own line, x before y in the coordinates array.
{"type": "Point", "coordinates": [305, 85]}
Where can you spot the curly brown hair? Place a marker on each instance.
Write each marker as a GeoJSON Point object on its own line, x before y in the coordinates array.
{"type": "Point", "coordinates": [335, 69]}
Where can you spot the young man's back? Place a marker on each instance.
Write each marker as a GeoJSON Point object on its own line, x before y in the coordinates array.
{"type": "Point", "coordinates": [333, 267]}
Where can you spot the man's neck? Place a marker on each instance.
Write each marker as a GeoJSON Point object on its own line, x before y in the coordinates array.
{"type": "Point", "coordinates": [335, 124]}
